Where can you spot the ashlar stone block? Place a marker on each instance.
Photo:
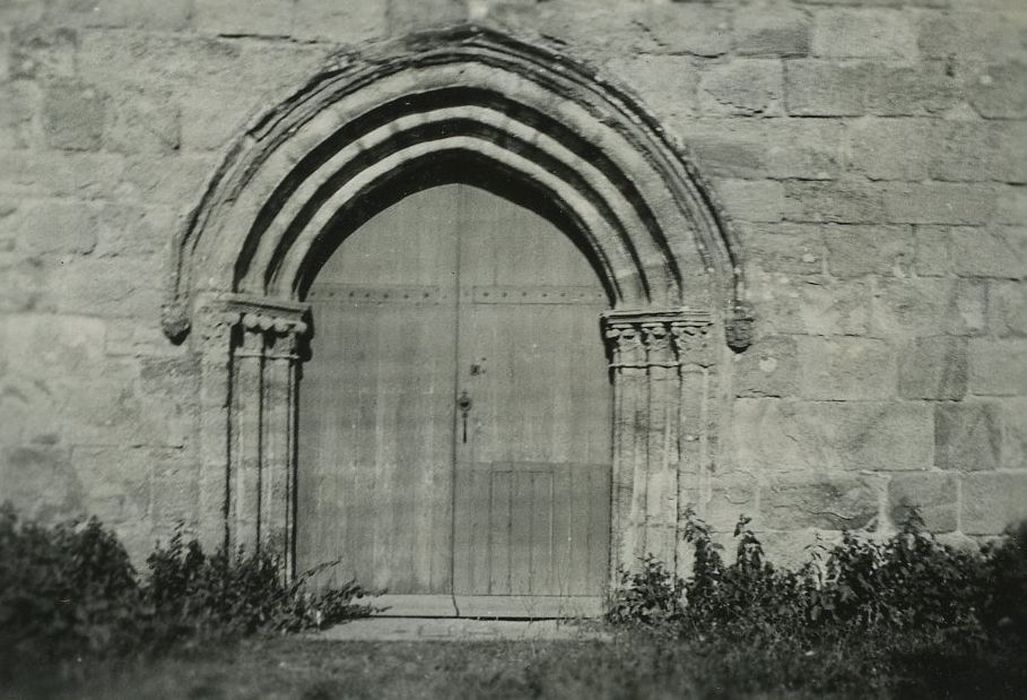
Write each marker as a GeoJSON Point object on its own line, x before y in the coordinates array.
{"type": "Point", "coordinates": [74, 115]}
{"type": "Point", "coordinates": [864, 33]}
{"type": "Point", "coordinates": [855, 250]}
{"type": "Point", "coordinates": [742, 87]}
{"type": "Point", "coordinates": [769, 368]}
{"type": "Point", "coordinates": [772, 30]}
{"type": "Point", "coordinates": [1007, 308]}
{"type": "Point", "coordinates": [993, 501]}
{"type": "Point", "coordinates": [934, 368]}
{"type": "Point", "coordinates": [830, 503]}
{"type": "Point", "coordinates": [933, 495]}
{"type": "Point", "coordinates": [967, 437]}
{"type": "Point", "coordinates": [846, 368]}
{"type": "Point", "coordinates": [998, 367]}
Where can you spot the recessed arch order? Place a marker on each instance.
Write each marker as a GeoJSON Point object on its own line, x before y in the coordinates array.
{"type": "Point", "coordinates": [477, 106]}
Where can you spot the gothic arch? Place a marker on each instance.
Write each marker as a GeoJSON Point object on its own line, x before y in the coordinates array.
{"type": "Point", "coordinates": [477, 101]}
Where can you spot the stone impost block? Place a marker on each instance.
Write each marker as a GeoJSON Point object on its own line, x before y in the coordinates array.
{"type": "Point", "coordinates": [934, 368]}
{"type": "Point", "coordinates": [813, 305]}
{"type": "Point", "coordinates": [993, 501]}
{"type": "Point", "coordinates": [773, 435]}
{"type": "Point", "coordinates": [1000, 91]}
{"type": "Point", "coordinates": [769, 368]}
{"type": "Point", "coordinates": [992, 251]}
{"type": "Point", "coordinates": [57, 228]}
{"type": "Point", "coordinates": [774, 30]}
{"type": "Point", "coordinates": [832, 503]}
{"type": "Point", "coordinates": [864, 33]}
{"type": "Point", "coordinates": [933, 495]}
{"type": "Point", "coordinates": [854, 250]}
{"type": "Point", "coordinates": [742, 87]}
{"type": "Point", "coordinates": [928, 307]}
{"type": "Point", "coordinates": [846, 368]}
{"type": "Point", "coordinates": [74, 115]}
{"type": "Point", "coordinates": [998, 367]}
{"type": "Point", "coordinates": [1007, 308]}
{"type": "Point", "coordinates": [967, 437]}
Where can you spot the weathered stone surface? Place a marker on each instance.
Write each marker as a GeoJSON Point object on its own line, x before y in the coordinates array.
{"type": "Point", "coordinates": [972, 33]}
{"type": "Point", "coordinates": [264, 17]}
{"type": "Point", "coordinates": [815, 305]}
{"type": "Point", "coordinates": [864, 33]}
{"type": "Point", "coordinates": [1010, 205]}
{"type": "Point", "coordinates": [975, 151]}
{"type": "Point", "coordinates": [993, 501]}
{"type": "Point", "coordinates": [769, 368]}
{"type": "Point", "coordinates": [933, 495]}
{"type": "Point", "coordinates": [730, 498]}
{"type": "Point", "coordinates": [24, 284]}
{"type": "Point", "coordinates": [927, 88]}
{"type": "Point", "coordinates": [41, 481]}
{"type": "Point", "coordinates": [742, 87]}
{"type": "Point", "coordinates": [831, 503]}
{"type": "Point", "coordinates": [116, 482]}
{"type": "Point", "coordinates": [933, 253]}
{"type": "Point", "coordinates": [992, 251]}
{"type": "Point", "coordinates": [167, 15]}
{"type": "Point", "coordinates": [772, 30]}
{"type": "Point", "coordinates": [939, 203]}
{"type": "Point", "coordinates": [784, 248]}
{"type": "Point", "coordinates": [838, 202]}
{"type": "Point", "coordinates": [1000, 92]}
{"type": "Point", "coordinates": [967, 437]}
{"type": "Point", "coordinates": [892, 149]}
{"type": "Point", "coordinates": [928, 306]}
{"type": "Point", "coordinates": [1007, 308]}
{"type": "Point", "coordinates": [846, 369]}
{"type": "Point", "coordinates": [774, 435]}
{"type": "Point", "coordinates": [74, 116]}
{"type": "Point", "coordinates": [405, 16]}
{"type": "Point", "coordinates": [934, 368]}
{"type": "Point", "coordinates": [57, 228]}
{"type": "Point", "coordinates": [752, 200]}
{"type": "Point", "coordinates": [1014, 432]}
{"type": "Point", "coordinates": [821, 88]}
{"type": "Point", "coordinates": [691, 28]}
{"type": "Point", "coordinates": [42, 52]}
{"type": "Point", "coordinates": [20, 105]}
{"type": "Point", "coordinates": [862, 250]}
{"type": "Point", "coordinates": [324, 20]}
{"type": "Point", "coordinates": [59, 173]}
{"type": "Point", "coordinates": [998, 367]}
{"type": "Point", "coordinates": [181, 178]}
{"type": "Point", "coordinates": [144, 122]}
{"type": "Point", "coordinates": [669, 79]}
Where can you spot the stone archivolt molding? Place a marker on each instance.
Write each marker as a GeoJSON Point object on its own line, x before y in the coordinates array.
{"type": "Point", "coordinates": [453, 106]}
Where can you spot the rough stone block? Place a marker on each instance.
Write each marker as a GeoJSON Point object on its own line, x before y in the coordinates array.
{"type": "Point", "coordinates": [42, 52]}
{"type": "Point", "coordinates": [119, 287]}
{"type": "Point", "coordinates": [933, 251]}
{"type": "Point", "coordinates": [784, 248]}
{"type": "Point", "coordinates": [24, 284]}
{"type": "Point", "coordinates": [934, 496]}
{"type": "Point", "coordinates": [135, 231]}
{"type": "Point", "coordinates": [839, 202]}
{"type": "Point", "coordinates": [769, 368]}
{"type": "Point", "coordinates": [814, 305]}
{"type": "Point", "coordinates": [752, 200]}
{"type": "Point", "coordinates": [165, 15]}
{"type": "Point", "coordinates": [863, 250]}
{"type": "Point", "coordinates": [73, 116]}
{"type": "Point", "coordinates": [928, 307]}
{"type": "Point", "coordinates": [326, 20]}
{"type": "Point", "coordinates": [992, 251]}
{"type": "Point", "coordinates": [730, 498]}
{"type": "Point", "coordinates": [846, 368]}
{"type": "Point", "coordinates": [742, 87]}
{"type": "Point", "coordinates": [774, 435]}
{"type": "Point", "coordinates": [998, 367]}
{"type": "Point", "coordinates": [993, 501]}
{"type": "Point", "coordinates": [60, 174]}
{"type": "Point", "coordinates": [406, 16]}
{"type": "Point", "coordinates": [939, 203]}
{"type": "Point", "coordinates": [927, 88]}
{"type": "Point", "coordinates": [1010, 205]}
{"type": "Point", "coordinates": [41, 480]}
{"type": "Point", "coordinates": [891, 149]}
{"type": "Point", "coordinates": [934, 368]}
{"type": "Point", "coordinates": [240, 17]}
{"type": "Point", "coordinates": [57, 228]}
{"type": "Point", "coordinates": [692, 28]}
{"type": "Point", "coordinates": [831, 503]}
{"type": "Point", "coordinates": [972, 34]}
{"type": "Point", "coordinates": [1000, 92]}
{"type": "Point", "coordinates": [864, 33]}
{"type": "Point", "coordinates": [116, 482]}
{"type": "Point", "coordinates": [669, 82]}
{"type": "Point", "coordinates": [967, 437]}
{"type": "Point", "coordinates": [776, 30]}
{"type": "Point", "coordinates": [1007, 308]}
{"type": "Point", "coordinates": [974, 151]}
{"type": "Point", "coordinates": [817, 88]}
{"type": "Point", "coordinates": [180, 178]}
{"type": "Point", "coordinates": [20, 103]}
{"type": "Point", "coordinates": [144, 123]}
{"type": "Point", "coordinates": [1014, 432]}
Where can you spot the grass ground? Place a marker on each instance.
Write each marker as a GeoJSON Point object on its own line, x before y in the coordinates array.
{"type": "Point", "coordinates": [627, 667]}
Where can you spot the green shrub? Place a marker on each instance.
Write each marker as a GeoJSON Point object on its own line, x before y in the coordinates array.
{"type": "Point", "coordinates": [70, 590]}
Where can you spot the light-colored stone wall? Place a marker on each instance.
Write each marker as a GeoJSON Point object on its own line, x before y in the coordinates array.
{"type": "Point", "coordinates": [872, 156]}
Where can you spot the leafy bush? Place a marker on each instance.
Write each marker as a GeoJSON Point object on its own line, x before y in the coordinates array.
{"type": "Point", "coordinates": [70, 590]}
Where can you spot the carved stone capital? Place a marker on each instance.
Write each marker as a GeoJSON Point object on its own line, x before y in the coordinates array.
{"type": "Point", "coordinates": [692, 342]}
{"type": "Point", "coordinates": [264, 326]}
{"type": "Point", "coordinates": [657, 338]}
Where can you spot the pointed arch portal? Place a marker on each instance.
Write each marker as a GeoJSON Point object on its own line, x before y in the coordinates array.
{"type": "Point", "coordinates": [475, 107]}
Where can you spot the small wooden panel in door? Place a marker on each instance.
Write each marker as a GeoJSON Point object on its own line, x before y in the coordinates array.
{"type": "Point", "coordinates": [376, 402]}
{"type": "Point", "coordinates": [533, 470]}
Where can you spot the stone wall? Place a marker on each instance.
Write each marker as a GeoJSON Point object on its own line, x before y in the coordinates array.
{"type": "Point", "coordinates": [872, 156]}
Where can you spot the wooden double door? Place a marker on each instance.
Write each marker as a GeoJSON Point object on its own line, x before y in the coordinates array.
{"type": "Point", "coordinates": [454, 441]}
